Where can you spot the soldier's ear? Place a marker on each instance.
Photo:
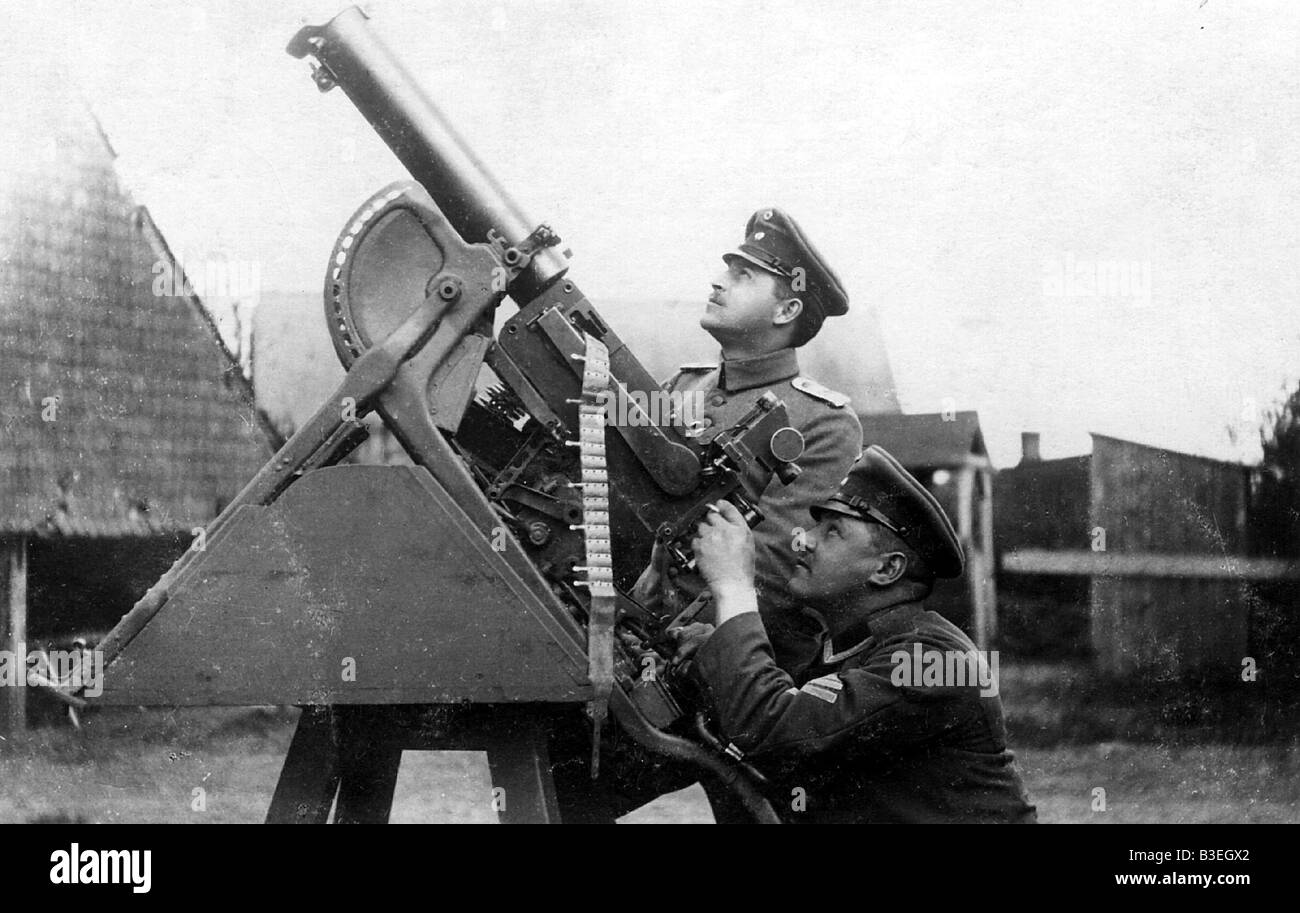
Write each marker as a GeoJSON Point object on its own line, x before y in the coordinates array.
{"type": "Point", "coordinates": [893, 565]}
{"type": "Point", "coordinates": [787, 312]}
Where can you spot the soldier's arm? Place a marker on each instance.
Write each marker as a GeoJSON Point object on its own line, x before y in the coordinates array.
{"type": "Point", "coordinates": [761, 711]}
{"type": "Point", "coordinates": [756, 702]}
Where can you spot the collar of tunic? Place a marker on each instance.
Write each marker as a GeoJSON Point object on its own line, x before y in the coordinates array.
{"type": "Point", "coordinates": [880, 622]}
{"type": "Point", "coordinates": [760, 371]}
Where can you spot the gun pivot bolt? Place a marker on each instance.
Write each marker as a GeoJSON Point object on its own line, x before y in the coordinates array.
{"type": "Point", "coordinates": [449, 288]}
{"type": "Point", "coordinates": [539, 532]}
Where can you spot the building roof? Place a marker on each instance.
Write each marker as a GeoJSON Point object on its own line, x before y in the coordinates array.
{"type": "Point", "coordinates": [929, 440]}
{"type": "Point", "coordinates": [1181, 454]}
{"type": "Point", "coordinates": [119, 412]}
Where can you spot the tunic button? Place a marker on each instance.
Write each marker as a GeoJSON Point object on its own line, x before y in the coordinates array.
{"type": "Point", "coordinates": [717, 399]}
{"type": "Point", "coordinates": [706, 422]}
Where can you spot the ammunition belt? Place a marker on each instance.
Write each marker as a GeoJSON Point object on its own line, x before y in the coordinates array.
{"type": "Point", "coordinates": [599, 565]}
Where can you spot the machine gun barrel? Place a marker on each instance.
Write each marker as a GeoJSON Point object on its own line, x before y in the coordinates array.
{"type": "Point", "coordinates": [349, 54]}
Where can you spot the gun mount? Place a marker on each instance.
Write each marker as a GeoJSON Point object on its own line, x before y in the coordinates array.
{"type": "Point", "coordinates": [495, 571]}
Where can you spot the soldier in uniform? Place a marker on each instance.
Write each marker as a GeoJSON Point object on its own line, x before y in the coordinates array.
{"type": "Point", "coordinates": [874, 731]}
{"type": "Point", "coordinates": [772, 297]}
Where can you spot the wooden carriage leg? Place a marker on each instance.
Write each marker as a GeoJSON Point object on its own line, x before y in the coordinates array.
{"type": "Point", "coordinates": [368, 763]}
{"type": "Point", "coordinates": [522, 789]}
{"type": "Point", "coordinates": [310, 776]}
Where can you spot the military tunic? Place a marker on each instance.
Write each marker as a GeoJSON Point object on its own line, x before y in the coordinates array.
{"type": "Point", "coordinates": [844, 744]}
{"type": "Point", "coordinates": [833, 440]}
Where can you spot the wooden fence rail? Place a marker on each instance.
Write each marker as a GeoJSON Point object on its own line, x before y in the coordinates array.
{"type": "Point", "coordinates": [1081, 562]}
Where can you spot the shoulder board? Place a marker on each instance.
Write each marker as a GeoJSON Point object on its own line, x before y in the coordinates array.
{"type": "Point", "coordinates": [817, 391]}
{"type": "Point", "coordinates": [699, 368]}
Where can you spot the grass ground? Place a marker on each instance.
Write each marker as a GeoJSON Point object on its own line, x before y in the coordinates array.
{"type": "Point", "coordinates": [1071, 736]}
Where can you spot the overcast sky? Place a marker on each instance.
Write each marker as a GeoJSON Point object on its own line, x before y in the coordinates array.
{"type": "Point", "coordinates": [952, 161]}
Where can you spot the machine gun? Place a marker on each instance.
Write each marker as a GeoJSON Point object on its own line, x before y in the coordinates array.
{"type": "Point", "coordinates": [494, 572]}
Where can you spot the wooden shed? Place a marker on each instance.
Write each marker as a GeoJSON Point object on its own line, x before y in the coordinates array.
{"type": "Point", "coordinates": [124, 421]}
{"type": "Point", "coordinates": [1152, 505]}
{"type": "Point", "coordinates": [945, 451]}
{"type": "Point", "coordinates": [1161, 541]}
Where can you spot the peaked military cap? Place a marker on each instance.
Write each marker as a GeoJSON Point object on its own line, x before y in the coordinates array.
{"type": "Point", "coordinates": [879, 490]}
{"type": "Point", "coordinates": [774, 242]}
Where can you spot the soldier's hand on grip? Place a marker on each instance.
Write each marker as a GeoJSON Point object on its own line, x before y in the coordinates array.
{"type": "Point", "coordinates": [689, 638]}
{"type": "Point", "coordinates": [724, 547]}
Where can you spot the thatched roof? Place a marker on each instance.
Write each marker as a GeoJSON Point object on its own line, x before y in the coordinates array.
{"type": "Point", "coordinates": [120, 413]}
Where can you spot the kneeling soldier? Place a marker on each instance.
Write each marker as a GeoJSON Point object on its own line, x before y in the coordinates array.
{"type": "Point", "coordinates": [864, 735]}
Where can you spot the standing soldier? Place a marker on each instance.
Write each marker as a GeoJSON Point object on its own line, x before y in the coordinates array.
{"type": "Point", "coordinates": [773, 297]}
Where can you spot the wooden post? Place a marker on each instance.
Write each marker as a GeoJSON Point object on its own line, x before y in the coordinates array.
{"type": "Point", "coordinates": [965, 495]}
{"type": "Point", "coordinates": [975, 570]}
{"type": "Point", "coordinates": [13, 631]}
{"type": "Point", "coordinates": [986, 545]}
{"type": "Point", "coordinates": [309, 780]}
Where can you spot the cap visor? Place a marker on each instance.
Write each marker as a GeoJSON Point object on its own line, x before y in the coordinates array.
{"type": "Point", "coordinates": [750, 259]}
{"type": "Point", "coordinates": [833, 507]}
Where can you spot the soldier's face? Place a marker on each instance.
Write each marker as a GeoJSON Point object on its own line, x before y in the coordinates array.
{"type": "Point", "coordinates": [839, 556]}
{"type": "Point", "coordinates": [743, 303]}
